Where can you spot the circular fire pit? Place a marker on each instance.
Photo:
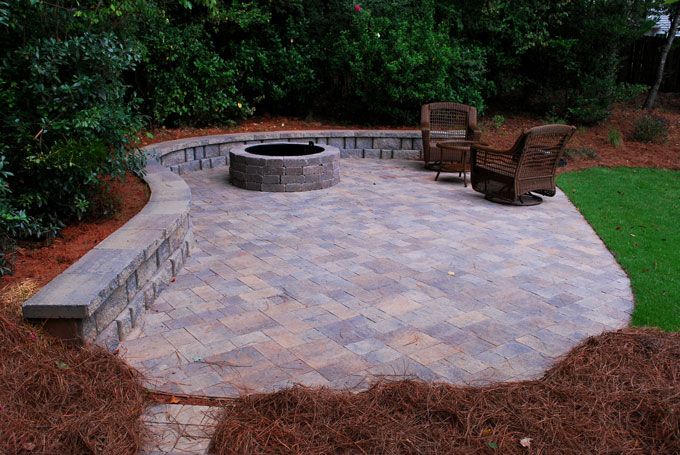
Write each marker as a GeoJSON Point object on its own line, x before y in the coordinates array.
{"type": "Point", "coordinates": [284, 166]}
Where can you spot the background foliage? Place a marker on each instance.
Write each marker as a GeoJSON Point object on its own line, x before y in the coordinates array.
{"type": "Point", "coordinates": [79, 78]}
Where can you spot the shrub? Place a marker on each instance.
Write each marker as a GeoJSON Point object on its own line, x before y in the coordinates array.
{"type": "Point", "coordinates": [13, 222]}
{"type": "Point", "coordinates": [389, 63]}
{"type": "Point", "coordinates": [581, 152]}
{"type": "Point", "coordinates": [278, 52]}
{"type": "Point", "coordinates": [615, 138]}
{"type": "Point", "coordinates": [67, 119]}
{"type": "Point", "coordinates": [498, 121]}
{"type": "Point", "coordinates": [552, 117]}
{"type": "Point", "coordinates": [649, 128]}
{"type": "Point", "coordinates": [187, 82]}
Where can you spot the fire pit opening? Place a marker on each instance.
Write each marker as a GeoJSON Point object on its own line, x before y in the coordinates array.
{"type": "Point", "coordinates": [284, 149]}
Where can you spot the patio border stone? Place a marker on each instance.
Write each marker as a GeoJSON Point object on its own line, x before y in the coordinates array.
{"type": "Point", "coordinates": [103, 296]}
{"type": "Point", "coordinates": [206, 152]}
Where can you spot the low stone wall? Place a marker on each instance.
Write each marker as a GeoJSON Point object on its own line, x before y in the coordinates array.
{"type": "Point", "coordinates": [193, 154]}
{"type": "Point", "coordinates": [103, 295]}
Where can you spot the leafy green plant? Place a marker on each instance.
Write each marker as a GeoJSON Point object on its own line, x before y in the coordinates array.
{"type": "Point", "coordinates": [497, 121]}
{"type": "Point", "coordinates": [13, 222]}
{"type": "Point", "coordinates": [388, 63]}
{"type": "Point", "coordinates": [615, 137]}
{"type": "Point", "coordinates": [69, 116]}
{"type": "Point", "coordinates": [581, 152]}
{"type": "Point", "coordinates": [187, 82]}
{"type": "Point", "coordinates": [649, 128]}
{"type": "Point", "coordinates": [552, 117]}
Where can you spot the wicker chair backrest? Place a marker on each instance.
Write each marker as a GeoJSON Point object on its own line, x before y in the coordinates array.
{"type": "Point", "coordinates": [539, 149]}
{"type": "Point", "coordinates": [449, 120]}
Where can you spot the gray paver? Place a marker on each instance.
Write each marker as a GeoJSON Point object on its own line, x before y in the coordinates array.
{"type": "Point", "coordinates": [339, 286]}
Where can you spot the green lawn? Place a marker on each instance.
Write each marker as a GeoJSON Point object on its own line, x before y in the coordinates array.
{"type": "Point", "coordinates": [636, 212]}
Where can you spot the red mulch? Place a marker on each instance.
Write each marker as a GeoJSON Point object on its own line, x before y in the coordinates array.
{"type": "Point", "coordinates": [630, 154]}
{"type": "Point", "coordinates": [59, 399]}
{"type": "Point", "coordinates": [41, 264]}
{"type": "Point", "coordinates": [615, 393]}
{"type": "Point", "coordinates": [56, 399]}
{"type": "Point", "coordinates": [263, 123]}
{"type": "Point", "coordinates": [633, 154]}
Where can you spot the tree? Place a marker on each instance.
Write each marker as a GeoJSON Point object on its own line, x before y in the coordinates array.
{"type": "Point", "coordinates": [673, 15]}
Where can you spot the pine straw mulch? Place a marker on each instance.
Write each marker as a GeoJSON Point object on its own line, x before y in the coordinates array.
{"type": "Point", "coordinates": [56, 399]}
{"type": "Point", "coordinates": [618, 392]}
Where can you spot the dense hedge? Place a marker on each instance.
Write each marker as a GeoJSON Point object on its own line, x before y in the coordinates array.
{"type": "Point", "coordinates": [79, 77]}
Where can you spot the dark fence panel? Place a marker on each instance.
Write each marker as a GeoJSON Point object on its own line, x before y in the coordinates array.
{"type": "Point", "coordinates": [640, 63]}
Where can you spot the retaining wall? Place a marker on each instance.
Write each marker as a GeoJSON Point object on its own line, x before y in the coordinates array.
{"type": "Point", "coordinates": [193, 154]}
{"type": "Point", "coordinates": [103, 295]}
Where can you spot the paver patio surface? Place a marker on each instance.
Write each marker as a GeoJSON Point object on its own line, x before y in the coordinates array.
{"type": "Point", "coordinates": [387, 273]}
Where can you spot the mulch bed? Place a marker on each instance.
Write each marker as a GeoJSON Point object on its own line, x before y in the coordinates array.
{"type": "Point", "coordinates": [59, 399]}
{"type": "Point", "coordinates": [615, 393]}
{"type": "Point", "coordinates": [630, 153]}
{"type": "Point", "coordinates": [56, 399]}
{"type": "Point", "coordinates": [41, 263]}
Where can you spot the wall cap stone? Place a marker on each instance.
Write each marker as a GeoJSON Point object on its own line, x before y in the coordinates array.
{"type": "Point", "coordinates": [79, 292]}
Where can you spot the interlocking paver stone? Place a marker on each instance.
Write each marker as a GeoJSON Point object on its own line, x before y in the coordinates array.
{"type": "Point", "coordinates": [338, 286]}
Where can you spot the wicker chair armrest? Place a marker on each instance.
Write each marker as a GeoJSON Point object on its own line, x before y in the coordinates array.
{"type": "Point", "coordinates": [474, 133]}
{"type": "Point", "coordinates": [461, 142]}
{"type": "Point", "coordinates": [486, 148]}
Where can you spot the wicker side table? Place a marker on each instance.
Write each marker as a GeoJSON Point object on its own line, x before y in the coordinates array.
{"type": "Point", "coordinates": [454, 156]}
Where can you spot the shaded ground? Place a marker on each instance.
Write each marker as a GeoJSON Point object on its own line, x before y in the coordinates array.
{"type": "Point", "coordinates": [596, 400]}
{"type": "Point", "coordinates": [631, 154]}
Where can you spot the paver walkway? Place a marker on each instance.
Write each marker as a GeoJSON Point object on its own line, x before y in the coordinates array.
{"type": "Point", "coordinates": [387, 273]}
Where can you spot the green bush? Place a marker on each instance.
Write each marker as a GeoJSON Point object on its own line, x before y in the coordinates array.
{"type": "Point", "coordinates": [386, 66]}
{"type": "Point", "coordinates": [615, 138]}
{"type": "Point", "coordinates": [649, 128]}
{"type": "Point", "coordinates": [498, 121]}
{"type": "Point", "coordinates": [68, 118]}
{"type": "Point", "coordinates": [278, 52]}
{"type": "Point", "coordinates": [581, 152]}
{"type": "Point", "coordinates": [187, 82]}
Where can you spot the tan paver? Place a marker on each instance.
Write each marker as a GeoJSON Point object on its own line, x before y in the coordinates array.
{"type": "Point", "coordinates": [340, 286]}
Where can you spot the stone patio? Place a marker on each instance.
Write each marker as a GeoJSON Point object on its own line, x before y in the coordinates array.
{"type": "Point", "coordinates": [387, 273]}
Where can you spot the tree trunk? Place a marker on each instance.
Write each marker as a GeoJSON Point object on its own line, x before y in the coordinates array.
{"type": "Point", "coordinates": [651, 96]}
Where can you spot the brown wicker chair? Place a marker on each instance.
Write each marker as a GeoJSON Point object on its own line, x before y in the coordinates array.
{"type": "Point", "coordinates": [446, 122]}
{"type": "Point", "coordinates": [509, 176]}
